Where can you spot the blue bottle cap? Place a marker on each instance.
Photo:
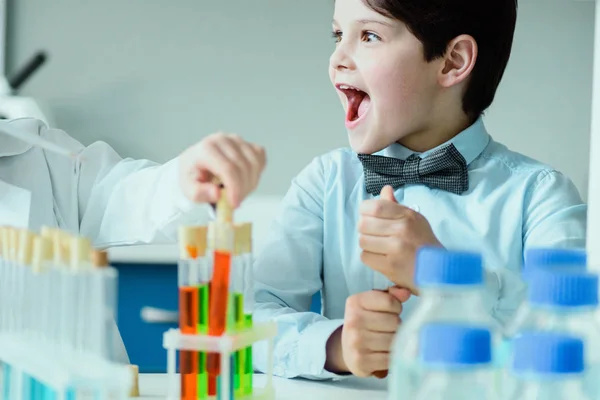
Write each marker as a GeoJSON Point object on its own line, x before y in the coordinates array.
{"type": "Point", "coordinates": [448, 344]}
{"type": "Point", "coordinates": [548, 353]}
{"type": "Point", "coordinates": [550, 258]}
{"type": "Point", "coordinates": [563, 288]}
{"type": "Point", "coordinates": [437, 266]}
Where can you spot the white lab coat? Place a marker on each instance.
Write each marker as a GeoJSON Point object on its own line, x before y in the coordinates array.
{"type": "Point", "coordinates": [110, 200]}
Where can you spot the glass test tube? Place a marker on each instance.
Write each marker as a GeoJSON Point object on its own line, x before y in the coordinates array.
{"type": "Point", "coordinates": [4, 279]}
{"type": "Point", "coordinates": [67, 308]}
{"type": "Point", "coordinates": [203, 265]}
{"type": "Point", "coordinates": [105, 282]}
{"type": "Point", "coordinates": [80, 257]}
{"type": "Point", "coordinates": [52, 289]}
{"type": "Point", "coordinates": [14, 278]}
{"type": "Point", "coordinates": [223, 236]}
{"type": "Point", "coordinates": [187, 277]}
{"type": "Point", "coordinates": [27, 288]}
{"type": "Point", "coordinates": [248, 306]}
{"type": "Point", "coordinates": [42, 255]}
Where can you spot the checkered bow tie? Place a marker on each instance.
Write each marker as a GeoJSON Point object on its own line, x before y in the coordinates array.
{"type": "Point", "coordinates": [444, 169]}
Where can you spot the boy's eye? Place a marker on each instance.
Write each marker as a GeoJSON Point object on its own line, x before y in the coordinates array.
{"type": "Point", "coordinates": [337, 35]}
{"type": "Point", "coordinates": [370, 37]}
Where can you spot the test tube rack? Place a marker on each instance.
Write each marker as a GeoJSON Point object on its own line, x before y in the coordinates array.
{"type": "Point", "coordinates": [57, 315]}
{"type": "Point", "coordinates": [216, 331]}
{"type": "Point", "coordinates": [225, 346]}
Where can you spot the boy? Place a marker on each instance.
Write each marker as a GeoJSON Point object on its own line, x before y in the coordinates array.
{"type": "Point", "coordinates": [414, 77]}
{"type": "Point", "coordinates": [115, 201]}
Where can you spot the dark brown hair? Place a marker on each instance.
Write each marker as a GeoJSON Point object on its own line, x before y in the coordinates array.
{"type": "Point", "coordinates": [436, 22]}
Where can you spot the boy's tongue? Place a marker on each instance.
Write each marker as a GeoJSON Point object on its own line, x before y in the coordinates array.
{"type": "Point", "coordinates": [357, 106]}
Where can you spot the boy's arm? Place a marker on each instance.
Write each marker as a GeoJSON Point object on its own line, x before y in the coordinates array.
{"type": "Point", "coordinates": [288, 272]}
{"type": "Point", "coordinates": [554, 215]}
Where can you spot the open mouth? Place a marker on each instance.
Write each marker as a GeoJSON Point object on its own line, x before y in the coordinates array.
{"type": "Point", "coordinates": [358, 102]}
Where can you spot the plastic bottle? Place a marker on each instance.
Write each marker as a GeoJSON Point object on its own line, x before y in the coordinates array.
{"type": "Point", "coordinates": [451, 285]}
{"type": "Point", "coordinates": [548, 366]}
{"type": "Point", "coordinates": [455, 362]}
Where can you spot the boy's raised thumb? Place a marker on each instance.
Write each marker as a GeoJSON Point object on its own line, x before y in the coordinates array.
{"type": "Point", "coordinates": [387, 193]}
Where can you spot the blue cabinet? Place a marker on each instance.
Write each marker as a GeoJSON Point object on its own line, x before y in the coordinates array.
{"type": "Point", "coordinates": [151, 285]}
{"type": "Point", "coordinates": [145, 285]}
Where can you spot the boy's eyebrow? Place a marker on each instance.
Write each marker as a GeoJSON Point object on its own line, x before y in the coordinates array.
{"type": "Point", "coordinates": [367, 21]}
{"type": "Point", "coordinates": [372, 21]}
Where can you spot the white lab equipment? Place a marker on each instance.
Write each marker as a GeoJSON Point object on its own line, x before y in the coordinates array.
{"type": "Point", "coordinates": [56, 302]}
{"type": "Point", "coordinates": [451, 285]}
{"type": "Point", "coordinates": [565, 301]}
{"type": "Point", "coordinates": [546, 366]}
{"type": "Point", "coordinates": [455, 362]}
{"type": "Point", "coordinates": [11, 105]}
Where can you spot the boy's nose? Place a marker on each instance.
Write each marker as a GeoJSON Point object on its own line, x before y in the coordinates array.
{"type": "Point", "coordinates": [340, 59]}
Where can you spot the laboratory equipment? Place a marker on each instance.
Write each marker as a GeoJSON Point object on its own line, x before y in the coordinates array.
{"type": "Point", "coordinates": [12, 105]}
{"type": "Point", "coordinates": [451, 285]}
{"type": "Point", "coordinates": [216, 333]}
{"type": "Point", "coordinates": [455, 362]}
{"type": "Point", "coordinates": [546, 366]}
{"type": "Point", "coordinates": [55, 299]}
{"type": "Point", "coordinates": [564, 301]}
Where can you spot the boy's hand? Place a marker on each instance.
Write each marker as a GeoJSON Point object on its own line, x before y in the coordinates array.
{"type": "Point", "coordinates": [390, 235]}
{"type": "Point", "coordinates": [237, 163]}
{"type": "Point", "coordinates": [362, 346]}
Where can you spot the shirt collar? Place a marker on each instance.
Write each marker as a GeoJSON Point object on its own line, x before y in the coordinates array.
{"type": "Point", "coordinates": [470, 143]}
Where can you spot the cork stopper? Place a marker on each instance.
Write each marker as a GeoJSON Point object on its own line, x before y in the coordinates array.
{"type": "Point", "coordinates": [192, 242]}
{"type": "Point", "coordinates": [3, 243]}
{"type": "Point", "coordinates": [247, 243]}
{"type": "Point", "coordinates": [42, 252]}
{"type": "Point", "coordinates": [224, 209]}
{"type": "Point", "coordinates": [13, 243]}
{"type": "Point", "coordinates": [25, 252]}
{"type": "Point", "coordinates": [238, 239]}
{"type": "Point", "coordinates": [134, 391]}
{"type": "Point", "coordinates": [61, 246]}
{"type": "Point", "coordinates": [99, 258]}
{"type": "Point", "coordinates": [81, 249]}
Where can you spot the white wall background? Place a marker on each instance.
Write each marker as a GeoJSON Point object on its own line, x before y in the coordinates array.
{"type": "Point", "coordinates": [151, 76]}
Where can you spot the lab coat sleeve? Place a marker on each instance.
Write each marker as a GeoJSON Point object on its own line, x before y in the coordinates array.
{"type": "Point", "coordinates": [288, 272]}
{"type": "Point", "coordinates": [126, 201]}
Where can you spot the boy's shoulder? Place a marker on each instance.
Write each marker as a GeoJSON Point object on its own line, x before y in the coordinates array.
{"type": "Point", "coordinates": [512, 162]}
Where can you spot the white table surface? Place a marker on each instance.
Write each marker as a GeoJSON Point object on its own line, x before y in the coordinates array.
{"type": "Point", "coordinates": [154, 386]}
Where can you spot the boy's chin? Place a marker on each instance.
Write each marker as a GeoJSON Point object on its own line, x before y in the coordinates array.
{"type": "Point", "coordinates": [365, 143]}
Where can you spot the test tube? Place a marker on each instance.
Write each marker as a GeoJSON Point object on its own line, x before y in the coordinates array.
{"type": "Point", "coordinates": [219, 290]}
{"type": "Point", "coordinates": [41, 254]}
{"type": "Point", "coordinates": [13, 244]}
{"type": "Point", "coordinates": [4, 279]}
{"type": "Point", "coordinates": [235, 313]}
{"type": "Point", "coordinates": [248, 306]}
{"type": "Point", "coordinates": [202, 263]}
{"type": "Point", "coordinates": [80, 258]}
{"type": "Point", "coordinates": [107, 277]}
{"type": "Point", "coordinates": [27, 284]}
{"type": "Point", "coordinates": [52, 288]}
{"type": "Point", "coordinates": [188, 279]}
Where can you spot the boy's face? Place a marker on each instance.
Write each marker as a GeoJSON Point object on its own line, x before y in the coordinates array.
{"type": "Point", "coordinates": [397, 88]}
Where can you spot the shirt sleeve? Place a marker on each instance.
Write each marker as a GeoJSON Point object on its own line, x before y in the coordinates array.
{"type": "Point", "coordinates": [288, 272]}
{"type": "Point", "coordinates": [554, 215]}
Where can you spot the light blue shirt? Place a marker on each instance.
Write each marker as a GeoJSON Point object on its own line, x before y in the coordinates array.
{"type": "Point", "coordinates": [513, 202]}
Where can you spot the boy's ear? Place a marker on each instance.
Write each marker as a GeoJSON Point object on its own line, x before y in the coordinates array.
{"type": "Point", "coordinates": [458, 61]}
